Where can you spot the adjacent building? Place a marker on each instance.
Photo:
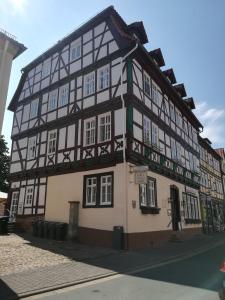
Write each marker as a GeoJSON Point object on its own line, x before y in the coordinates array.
{"type": "Point", "coordinates": [102, 135]}
{"type": "Point", "coordinates": [9, 50]}
{"type": "Point", "coordinates": [211, 189]}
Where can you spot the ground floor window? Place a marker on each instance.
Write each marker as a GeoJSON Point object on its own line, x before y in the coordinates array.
{"type": "Point", "coordinates": [191, 208]}
{"type": "Point", "coordinates": [148, 196]}
{"type": "Point", "coordinates": [98, 190]}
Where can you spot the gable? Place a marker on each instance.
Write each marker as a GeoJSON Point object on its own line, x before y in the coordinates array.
{"type": "Point", "coordinates": [100, 37]}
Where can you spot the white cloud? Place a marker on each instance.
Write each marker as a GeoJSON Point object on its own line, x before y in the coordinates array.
{"type": "Point", "coordinates": [212, 119]}
{"type": "Point", "coordinates": [13, 7]}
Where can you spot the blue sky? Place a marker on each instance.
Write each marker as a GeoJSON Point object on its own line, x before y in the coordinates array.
{"type": "Point", "coordinates": [189, 33]}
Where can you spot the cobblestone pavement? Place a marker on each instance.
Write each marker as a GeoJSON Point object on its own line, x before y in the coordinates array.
{"type": "Point", "coordinates": [32, 265]}
{"type": "Point", "coordinates": [23, 253]}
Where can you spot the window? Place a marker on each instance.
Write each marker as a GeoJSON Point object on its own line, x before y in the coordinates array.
{"type": "Point", "coordinates": [89, 84]}
{"type": "Point", "coordinates": [29, 196]}
{"type": "Point", "coordinates": [46, 68]}
{"type": "Point", "coordinates": [34, 109]}
{"type": "Point", "coordinates": [89, 131]}
{"type": "Point", "coordinates": [191, 208]}
{"type": "Point", "coordinates": [75, 50]}
{"type": "Point", "coordinates": [31, 151]}
{"type": "Point", "coordinates": [147, 84]}
{"type": "Point", "coordinates": [172, 112]}
{"type": "Point", "coordinates": [147, 130]}
{"type": "Point", "coordinates": [53, 95]}
{"type": "Point", "coordinates": [98, 190]}
{"type": "Point", "coordinates": [103, 78]}
{"type": "Point", "coordinates": [91, 188]}
{"type": "Point", "coordinates": [52, 138]}
{"type": "Point", "coordinates": [63, 95]}
{"type": "Point", "coordinates": [106, 190]}
{"type": "Point", "coordinates": [104, 127]}
{"type": "Point", "coordinates": [173, 149]}
{"type": "Point", "coordinates": [155, 135]}
{"type": "Point", "coordinates": [154, 93]}
{"type": "Point", "coordinates": [178, 146]}
{"type": "Point", "coordinates": [148, 193]}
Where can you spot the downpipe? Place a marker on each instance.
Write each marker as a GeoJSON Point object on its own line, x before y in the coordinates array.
{"type": "Point", "coordinates": [122, 59]}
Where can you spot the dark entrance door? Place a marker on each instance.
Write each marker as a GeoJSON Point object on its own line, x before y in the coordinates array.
{"type": "Point", "coordinates": [175, 207]}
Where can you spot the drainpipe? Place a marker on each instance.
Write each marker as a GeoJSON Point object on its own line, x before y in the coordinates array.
{"type": "Point", "coordinates": [124, 134]}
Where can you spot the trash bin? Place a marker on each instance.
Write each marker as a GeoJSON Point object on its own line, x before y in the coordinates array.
{"type": "Point", "coordinates": [118, 237]}
{"type": "Point", "coordinates": [61, 231]}
{"type": "Point", "coordinates": [52, 230]}
{"type": "Point", "coordinates": [35, 228]}
{"type": "Point", "coordinates": [46, 229]}
{"type": "Point", "coordinates": [4, 220]}
{"type": "Point", "coordinates": [40, 228]}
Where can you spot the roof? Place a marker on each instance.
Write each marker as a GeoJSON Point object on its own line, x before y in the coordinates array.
{"type": "Point", "coordinates": [221, 152]}
{"type": "Point", "coordinates": [180, 89]}
{"type": "Point", "coordinates": [170, 75]}
{"type": "Point", "coordinates": [83, 28]}
{"type": "Point", "coordinates": [207, 144]}
{"type": "Point", "coordinates": [190, 102]}
{"type": "Point", "coordinates": [158, 57]}
{"type": "Point", "coordinates": [20, 47]}
{"type": "Point", "coordinates": [139, 30]}
{"type": "Point", "coordinates": [126, 32]}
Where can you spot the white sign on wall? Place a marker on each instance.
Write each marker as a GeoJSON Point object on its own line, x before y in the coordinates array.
{"type": "Point", "coordinates": [141, 177]}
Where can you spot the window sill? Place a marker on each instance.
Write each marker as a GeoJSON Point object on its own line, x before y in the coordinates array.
{"type": "Point", "coordinates": [98, 206]}
{"type": "Point", "coordinates": [150, 210]}
{"type": "Point", "coordinates": [192, 221]}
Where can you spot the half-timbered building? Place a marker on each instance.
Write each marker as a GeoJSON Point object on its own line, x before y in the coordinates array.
{"type": "Point", "coordinates": [211, 187]}
{"type": "Point", "coordinates": [87, 112]}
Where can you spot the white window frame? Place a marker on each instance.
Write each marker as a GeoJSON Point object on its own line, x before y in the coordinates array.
{"type": "Point", "coordinates": [34, 108]}
{"type": "Point", "coordinates": [173, 149]}
{"type": "Point", "coordinates": [52, 141]}
{"type": "Point", "coordinates": [92, 186]}
{"type": "Point", "coordinates": [155, 93]}
{"type": "Point", "coordinates": [108, 190]}
{"type": "Point", "coordinates": [29, 195]}
{"type": "Point", "coordinates": [89, 131]}
{"type": "Point", "coordinates": [75, 50]}
{"type": "Point", "coordinates": [32, 147]}
{"type": "Point", "coordinates": [52, 102]}
{"type": "Point", "coordinates": [63, 95]}
{"type": "Point", "coordinates": [89, 84]}
{"type": "Point", "coordinates": [46, 68]}
{"type": "Point", "coordinates": [103, 77]}
{"type": "Point", "coordinates": [155, 135]}
{"type": "Point", "coordinates": [147, 84]}
{"type": "Point", "coordinates": [147, 130]}
{"type": "Point", "coordinates": [148, 193]}
{"type": "Point", "coordinates": [104, 129]}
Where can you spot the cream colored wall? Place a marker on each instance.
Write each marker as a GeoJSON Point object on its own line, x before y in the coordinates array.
{"type": "Point", "coordinates": [69, 187]}
{"type": "Point", "coordinates": [138, 222]}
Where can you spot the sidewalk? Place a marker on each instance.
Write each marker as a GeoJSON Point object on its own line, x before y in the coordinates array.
{"type": "Point", "coordinates": [76, 263]}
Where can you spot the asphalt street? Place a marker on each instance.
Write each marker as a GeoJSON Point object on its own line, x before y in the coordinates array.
{"type": "Point", "coordinates": [192, 278]}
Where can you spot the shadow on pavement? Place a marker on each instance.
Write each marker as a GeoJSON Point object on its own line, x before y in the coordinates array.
{"type": "Point", "coordinates": [6, 292]}
{"type": "Point", "coordinates": [200, 271]}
